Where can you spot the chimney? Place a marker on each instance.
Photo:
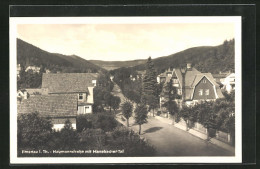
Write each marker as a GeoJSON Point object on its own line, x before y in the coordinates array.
{"type": "Point", "coordinates": [188, 66]}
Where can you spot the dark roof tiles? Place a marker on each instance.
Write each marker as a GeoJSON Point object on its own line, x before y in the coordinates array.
{"type": "Point", "coordinates": [68, 82]}
{"type": "Point", "coordinates": [50, 105]}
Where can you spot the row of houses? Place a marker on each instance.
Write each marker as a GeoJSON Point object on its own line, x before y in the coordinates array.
{"type": "Point", "coordinates": [62, 96]}
{"type": "Point", "coordinates": [194, 86]}
{"type": "Point", "coordinates": [34, 69]}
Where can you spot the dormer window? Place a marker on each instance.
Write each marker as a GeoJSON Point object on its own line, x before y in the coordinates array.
{"type": "Point", "coordinates": [80, 96]}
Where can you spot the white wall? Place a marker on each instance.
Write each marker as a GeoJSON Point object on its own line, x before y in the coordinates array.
{"type": "Point", "coordinates": [58, 127]}
{"type": "Point", "coordinates": [90, 97]}
{"type": "Point", "coordinates": [88, 108]}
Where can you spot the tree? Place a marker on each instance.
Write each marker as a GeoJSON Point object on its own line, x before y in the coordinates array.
{"type": "Point", "coordinates": [207, 117]}
{"type": "Point", "coordinates": [188, 115]}
{"type": "Point", "coordinates": [68, 136]}
{"type": "Point", "coordinates": [108, 99]}
{"type": "Point", "coordinates": [141, 115]}
{"type": "Point", "coordinates": [152, 101]}
{"type": "Point", "coordinates": [115, 102]}
{"type": "Point", "coordinates": [127, 110]}
{"type": "Point", "coordinates": [105, 121]}
{"type": "Point", "coordinates": [170, 94]}
{"type": "Point", "coordinates": [33, 131]}
{"type": "Point", "coordinates": [150, 86]}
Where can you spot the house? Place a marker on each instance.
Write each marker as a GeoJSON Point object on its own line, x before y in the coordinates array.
{"type": "Point", "coordinates": [63, 84]}
{"type": "Point", "coordinates": [161, 78]}
{"type": "Point", "coordinates": [35, 69]}
{"type": "Point", "coordinates": [58, 108]}
{"type": "Point", "coordinates": [140, 74]}
{"type": "Point", "coordinates": [229, 82]}
{"type": "Point", "coordinates": [132, 77]}
{"type": "Point", "coordinates": [47, 70]}
{"type": "Point", "coordinates": [18, 70]}
{"type": "Point", "coordinates": [112, 78]}
{"type": "Point", "coordinates": [226, 80]}
{"type": "Point", "coordinates": [193, 86]}
{"type": "Point", "coordinates": [22, 94]}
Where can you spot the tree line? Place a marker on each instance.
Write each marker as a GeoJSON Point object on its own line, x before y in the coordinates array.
{"type": "Point", "coordinates": [94, 132]}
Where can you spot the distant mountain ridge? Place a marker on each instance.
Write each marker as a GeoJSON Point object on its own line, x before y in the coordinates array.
{"type": "Point", "coordinates": [110, 65]}
{"type": "Point", "coordinates": [28, 54]}
{"type": "Point", "coordinates": [205, 58]}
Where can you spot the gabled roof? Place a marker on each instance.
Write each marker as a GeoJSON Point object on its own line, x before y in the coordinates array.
{"type": "Point", "coordinates": [189, 77]}
{"type": "Point", "coordinates": [68, 82]}
{"type": "Point", "coordinates": [50, 105]}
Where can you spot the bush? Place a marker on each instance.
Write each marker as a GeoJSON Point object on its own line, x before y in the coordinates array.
{"type": "Point", "coordinates": [84, 122]}
{"type": "Point", "coordinates": [33, 131]}
{"type": "Point", "coordinates": [93, 138]}
{"type": "Point", "coordinates": [158, 113]}
{"type": "Point", "coordinates": [106, 122]}
{"type": "Point", "coordinates": [133, 145]}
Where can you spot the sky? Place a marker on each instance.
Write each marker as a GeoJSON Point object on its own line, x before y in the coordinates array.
{"type": "Point", "coordinates": [119, 42]}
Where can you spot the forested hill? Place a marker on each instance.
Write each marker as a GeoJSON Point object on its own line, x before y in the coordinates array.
{"type": "Point", "coordinates": [205, 59]}
{"type": "Point", "coordinates": [29, 55]}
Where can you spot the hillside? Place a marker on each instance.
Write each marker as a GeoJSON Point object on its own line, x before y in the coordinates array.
{"type": "Point", "coordinates": [28, 54]}
{"type": "Point", "coordinates": [111, 65]}
{"type": "Point", "coordinates": [206, 59]}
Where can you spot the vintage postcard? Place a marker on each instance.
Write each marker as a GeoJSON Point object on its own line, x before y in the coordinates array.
{"type": "Point", "coordinates": [130, 89]}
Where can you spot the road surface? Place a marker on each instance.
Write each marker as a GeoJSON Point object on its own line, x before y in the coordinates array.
{"type": "Point", "coordinates": [171, 141]}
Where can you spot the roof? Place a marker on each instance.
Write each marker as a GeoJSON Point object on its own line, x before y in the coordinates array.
{"type": "Point", "coordinates": [68, 82]}
{"type": "Point", "coordinates": [34, 91]}
{"type": "Point", "coordinates": [189, 77]}
{"type": "Point", "coordinates": [192, 78]}
{"type": "Point", "coordinates": [49, 105]}
{"type": "Point", "coordinates": [219, 75]}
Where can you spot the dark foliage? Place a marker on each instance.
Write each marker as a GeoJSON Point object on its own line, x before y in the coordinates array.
{"type": "Point", "coordinates": [127, 111]}
{"type": "Point", "coordinates": [33, 131]}
{"type": "Point", "coordinates": [205, 59]}
{"type": "Point", "coordinates": [141, 115]}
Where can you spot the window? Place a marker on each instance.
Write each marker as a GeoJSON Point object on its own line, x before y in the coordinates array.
{"type": "Point", "coordinates": [200, 92]}
{"type": "Point", "coordinates": [207, 92]}
{"type": "Point", "coordinates": [175, 80]}
{"type": "Point", "coordinates": [80, 96]}
{"type": "Point", "coordinates": [204, 81]}
{"type": "Point", "coordinates": [179, 91]}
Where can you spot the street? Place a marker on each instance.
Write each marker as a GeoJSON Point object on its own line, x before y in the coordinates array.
{"type": "Point", "coordinates": [169, 140]}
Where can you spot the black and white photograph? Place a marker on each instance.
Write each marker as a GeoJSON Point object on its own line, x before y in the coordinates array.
{"type": "Point", "coordinates": [131, 89]}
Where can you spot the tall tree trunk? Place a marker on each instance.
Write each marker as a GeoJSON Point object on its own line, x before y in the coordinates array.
{"type": "Point", "coordinates": [187, 125]}
{"type": "Point", "coordinates": [153, 112]}
{"type": "Point", "coordinates": [127, 122]}
{"type": "Point", "coordinates": [139, 129]}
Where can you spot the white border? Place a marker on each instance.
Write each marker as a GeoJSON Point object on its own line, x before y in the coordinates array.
{"type": "Point", "coordinates": [123, 20]}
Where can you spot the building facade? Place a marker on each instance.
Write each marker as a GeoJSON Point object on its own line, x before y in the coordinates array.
{"type": "Point", "coordinates": [192, 86]}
